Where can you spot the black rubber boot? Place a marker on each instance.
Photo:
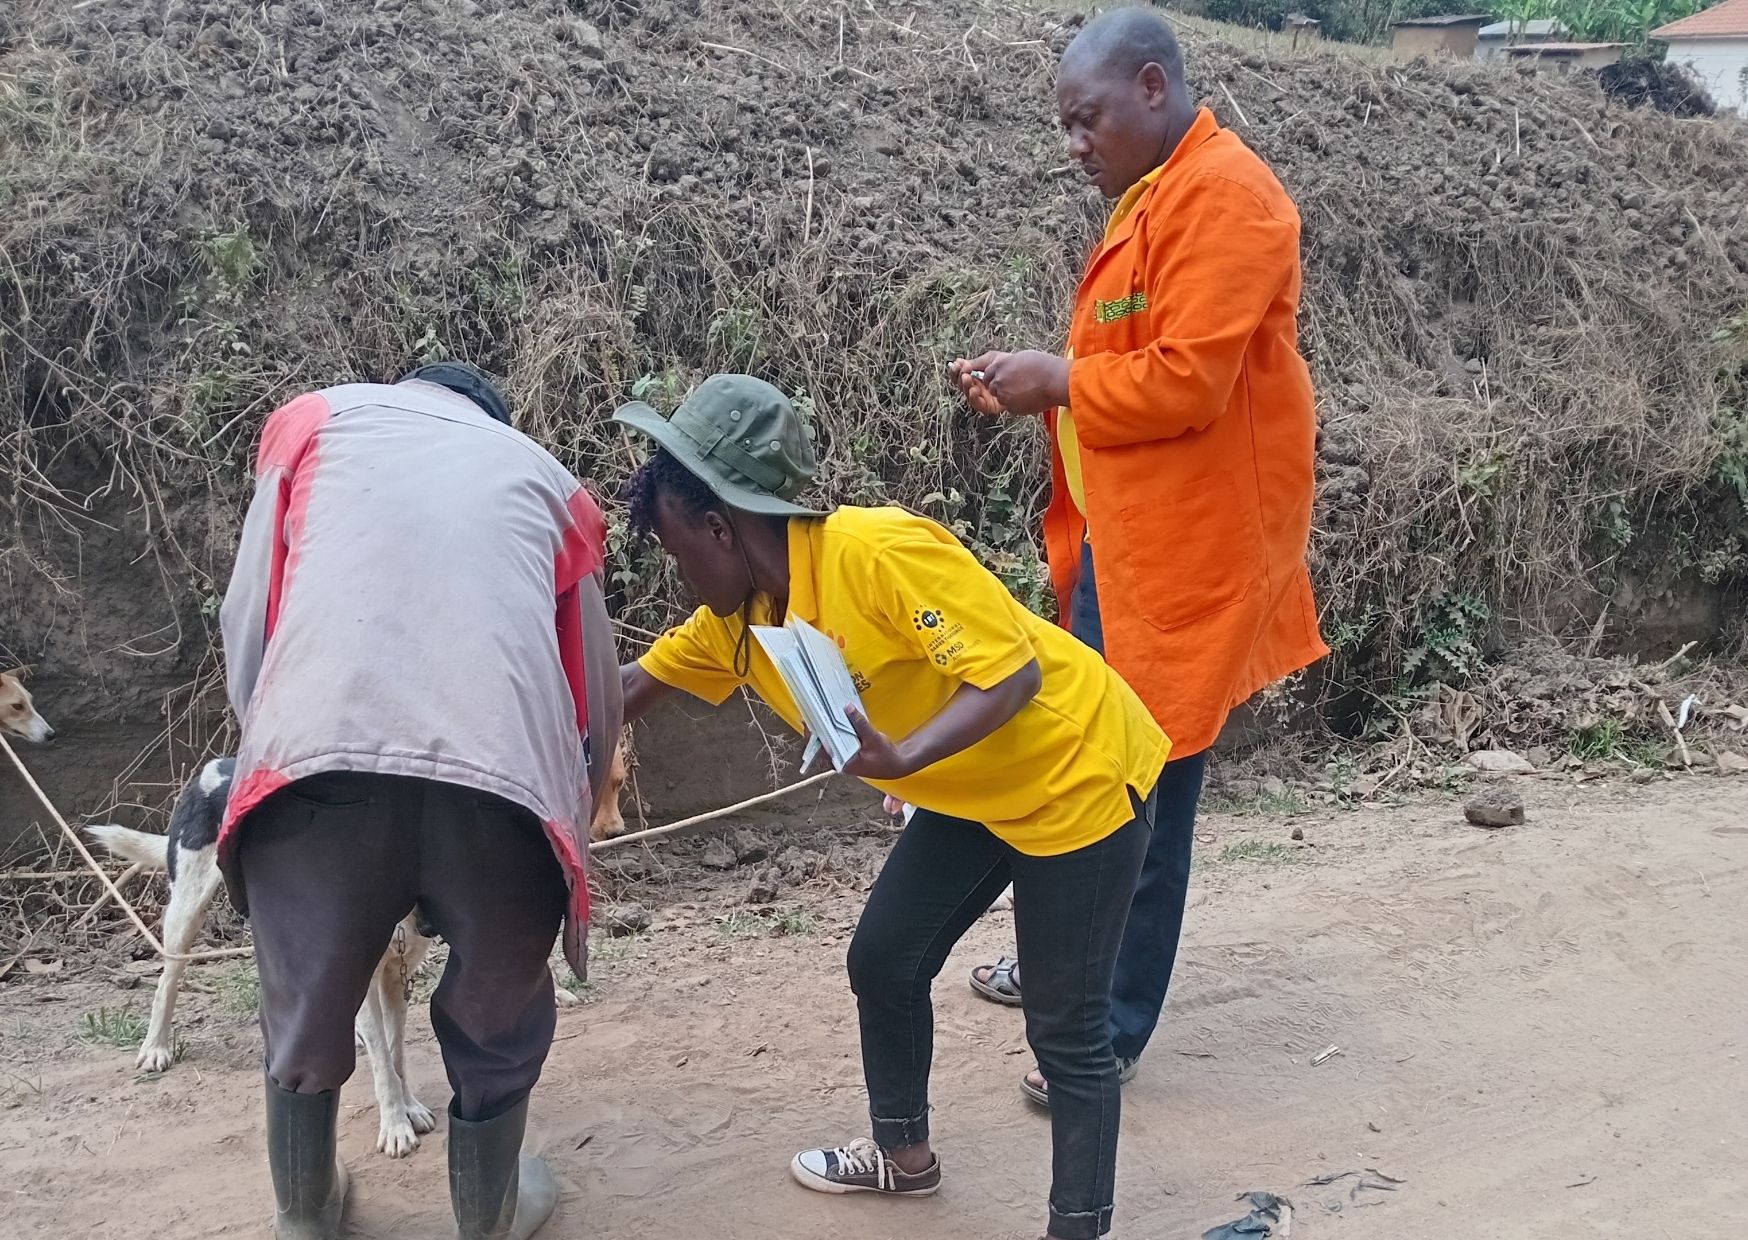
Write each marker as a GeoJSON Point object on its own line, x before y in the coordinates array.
{"type": "Point", "coordinates": [498, 1192]}
{"type": "Point", "coordinates": [309, 1181]}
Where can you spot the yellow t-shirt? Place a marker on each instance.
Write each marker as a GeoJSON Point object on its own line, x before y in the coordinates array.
{"type": "Point", "coordinates": [1067, 439]}
{"type": "Point", "coordinates": [916, 616]}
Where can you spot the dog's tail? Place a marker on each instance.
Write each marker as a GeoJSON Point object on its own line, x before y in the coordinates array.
{"type": "Point", "coordinates": [143, 848]}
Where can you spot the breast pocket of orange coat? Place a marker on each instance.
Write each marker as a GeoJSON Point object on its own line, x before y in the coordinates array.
{"type": "Point", "coordinates": [1192, 549]}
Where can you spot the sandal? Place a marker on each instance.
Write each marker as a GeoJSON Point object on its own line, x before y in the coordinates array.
{"type": "Point", "coordinates": [1002, 985]}
{"type": "Point", "coordinates": [1126, 1070]}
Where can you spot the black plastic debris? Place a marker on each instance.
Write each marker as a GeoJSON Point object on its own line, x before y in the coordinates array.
{"type": "Point", "coordinates": [1365, 1182]}
{"type": "Point", "coordinates": [1265, 1212]}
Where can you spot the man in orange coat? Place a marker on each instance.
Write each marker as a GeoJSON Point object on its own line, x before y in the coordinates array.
{"type": "Point", "coordinates": [1182, 431]}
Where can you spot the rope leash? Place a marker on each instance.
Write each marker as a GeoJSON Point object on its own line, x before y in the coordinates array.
{"type": "Point", "coordinates": [113, 892]}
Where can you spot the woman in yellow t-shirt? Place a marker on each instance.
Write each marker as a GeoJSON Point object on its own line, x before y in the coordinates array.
{"type": "Point", "coordinates": [1033, 758]}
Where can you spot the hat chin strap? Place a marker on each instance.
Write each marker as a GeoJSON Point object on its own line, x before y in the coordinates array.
{"type": "Point", "coordinates": [743, 649]}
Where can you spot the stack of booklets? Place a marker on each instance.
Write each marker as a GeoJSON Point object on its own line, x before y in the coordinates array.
{"type": "Point", "coordinates": [819, 682]}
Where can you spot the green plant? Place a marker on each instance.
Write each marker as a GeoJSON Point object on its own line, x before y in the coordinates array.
{"type": "Point", "coordinates": [1486, 475]}
{"type": "Point", "coordinates": [1617, 523]}
{"type": "Point", "coordinates": [742, 924]}
{"type": "Point", "coordinates": [238, 986]}
{"type": "Point", "coordinates": [1597, 740]}
{"type": "Point", "coordinates": [208, 394]}
{"type": "Point", "coordinates": [793, 923]}
{"type": "Point", "coordinates": [737, 332]}
{"type": "Point", "coordinates": [121, 1028]}
{"type": "Point", "coordinates": [1346, 634]}
{"type": "Point", "coordinates": [1269, 804]}
{"type": "Point", "coordinates": [1257, 852]}
{"type": "Point", "coordinates": [566, 977]}
{"type": "Point", "coordinates": [231, 258]}
{"type": "Point", "coordinates": [613, 948]}
{"type": "Point", "coordinates": [1449, 638]}
{"type": "Point", "coordinates": [1732, 461]}
{"type": "Point", "coordinates": [662, 388]}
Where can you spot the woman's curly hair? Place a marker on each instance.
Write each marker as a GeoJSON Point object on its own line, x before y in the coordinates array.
{"type": "Point", "coordinates": [656, 476]}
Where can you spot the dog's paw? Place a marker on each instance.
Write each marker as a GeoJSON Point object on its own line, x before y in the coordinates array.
{"type": "Point", "coordinates": [419, 1116]}
{"type": "Point", "coordinates": [154, 1058]}
{"type": "Point", "coordinates": [397, 1137]}
{"type": "Point", "coordinates": [564, 997]}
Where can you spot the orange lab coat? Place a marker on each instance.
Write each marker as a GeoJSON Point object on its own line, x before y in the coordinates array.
{"type": "Point", "coordinates": [1197, 433]}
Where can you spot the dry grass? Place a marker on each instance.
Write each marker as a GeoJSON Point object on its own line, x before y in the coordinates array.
{"type": "Point", "coordinates": [1523, 405]}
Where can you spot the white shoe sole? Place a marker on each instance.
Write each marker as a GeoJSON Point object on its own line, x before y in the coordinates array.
{"type": "Point", "coordinates": [820, 1184]}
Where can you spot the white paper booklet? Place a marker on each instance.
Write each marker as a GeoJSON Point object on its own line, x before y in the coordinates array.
{"type": "Point", "coordinates": [819, 682]}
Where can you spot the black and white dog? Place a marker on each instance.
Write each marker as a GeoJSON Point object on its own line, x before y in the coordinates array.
{"type": "Point", "coordinates": [189, 852]}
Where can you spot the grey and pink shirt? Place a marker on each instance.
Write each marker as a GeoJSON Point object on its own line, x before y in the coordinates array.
{"type": "Point", "coordinates": [417, 592]}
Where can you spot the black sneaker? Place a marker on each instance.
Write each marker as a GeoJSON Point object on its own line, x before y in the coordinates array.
{"type": "Point", "coordinates": [861, 1167]}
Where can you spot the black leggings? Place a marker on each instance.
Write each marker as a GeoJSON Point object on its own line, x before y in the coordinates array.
{"type": "Point", "coordinates": [1069, 912]}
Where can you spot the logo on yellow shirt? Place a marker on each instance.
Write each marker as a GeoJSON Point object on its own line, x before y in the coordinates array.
{"type": "Point", "coordinates": [1122, 308]}
{"type": "Point", "coordinates": [941, 634]}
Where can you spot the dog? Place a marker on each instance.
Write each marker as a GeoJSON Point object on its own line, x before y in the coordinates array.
{"type": "Point", "coordinates": [609, 822]}
{"type": "Point", "coordinates": [18, 715]}
{"type": "Point", "coordinates": [188, 852]}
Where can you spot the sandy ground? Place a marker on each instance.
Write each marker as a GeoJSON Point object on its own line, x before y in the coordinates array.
{"type": "Point", "coordinates": [1542, 1034]}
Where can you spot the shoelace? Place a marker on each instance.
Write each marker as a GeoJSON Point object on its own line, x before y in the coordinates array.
{"type": "Point", "coordinates": [862, 1156]}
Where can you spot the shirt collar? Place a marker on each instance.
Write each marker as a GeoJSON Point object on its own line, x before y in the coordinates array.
{"type": "Point", "coordinates": [1200, 130]}
{"type": "Point", "coordinates": [803, 587]}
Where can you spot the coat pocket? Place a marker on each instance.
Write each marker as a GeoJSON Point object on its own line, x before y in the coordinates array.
{"type": "Point", "coordinates": [1195, 550]}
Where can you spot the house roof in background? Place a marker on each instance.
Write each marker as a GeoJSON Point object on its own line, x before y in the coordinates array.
{"type": "Point", "coordinates": [1728, 20]}
{"type": "Point", "coordinates": [1537, 49]}
{"type": "Point", "coordinates": [1455, 19]}
{"type": "Point", "coordinates": [1536, 26]}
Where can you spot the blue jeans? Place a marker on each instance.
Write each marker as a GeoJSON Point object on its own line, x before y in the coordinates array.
{"type": "Point", "coordinates": [1156, 915]}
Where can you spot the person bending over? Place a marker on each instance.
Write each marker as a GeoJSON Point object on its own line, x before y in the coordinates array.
{"type": "Point", "coordinates": [1034, 759]}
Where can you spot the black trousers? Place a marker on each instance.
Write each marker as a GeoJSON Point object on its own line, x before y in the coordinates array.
{"type": "Point", "coordinates": [332, 863]}
{"type": "Point", "coordinates": [1068, 917]}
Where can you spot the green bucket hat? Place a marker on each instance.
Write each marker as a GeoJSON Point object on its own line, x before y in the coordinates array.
{"type": "Point", "coordinates": [743, 440]}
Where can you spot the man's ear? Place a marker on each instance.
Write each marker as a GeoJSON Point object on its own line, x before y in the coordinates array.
{"type": "Point", "coordinates": [721, 528]}
{"type": "Point", "coordinates": [1155, 85]}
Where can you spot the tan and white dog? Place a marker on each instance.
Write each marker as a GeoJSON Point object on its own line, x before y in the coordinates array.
{"type": "Point", "coordinates": [609, 822]}
{"type": "Point", "coordinates": [18, 716]}
{"type": "Point", "coordinates": [189, 853]}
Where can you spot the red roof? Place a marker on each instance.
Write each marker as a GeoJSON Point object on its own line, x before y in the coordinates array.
{"type": "Point", "coordinates": [1728, 20]}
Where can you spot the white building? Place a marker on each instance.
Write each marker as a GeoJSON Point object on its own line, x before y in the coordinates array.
{"type": "Point", "coordinates": [1714, 44]}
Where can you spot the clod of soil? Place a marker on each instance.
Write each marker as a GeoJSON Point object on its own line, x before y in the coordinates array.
{"type": "Point", "coordinates": [619, 920]}
{"type": "Point", "coordinates": [766, 886]}
{"type": "Point", "coordinates": [749, 848]}
{"type": "Point", "coordinates": [719, 854]}
{"type": "Point", "coordinates": [1495, 805]}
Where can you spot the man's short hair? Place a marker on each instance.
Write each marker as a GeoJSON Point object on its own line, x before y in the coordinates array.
{"type": "Point", "coordinates": [1123, 40]}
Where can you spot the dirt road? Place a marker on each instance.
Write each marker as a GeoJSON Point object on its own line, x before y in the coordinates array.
{"type": "Point", "coordinates": [1542, 1034]}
